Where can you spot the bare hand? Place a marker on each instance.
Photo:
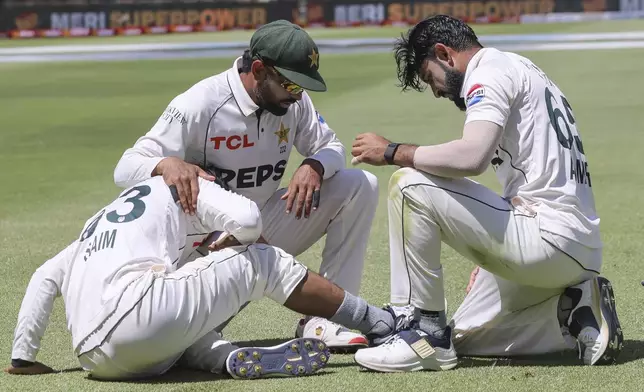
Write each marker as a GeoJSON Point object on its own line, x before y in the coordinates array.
{"type": "Point", "coordinates": [472, 280]}
{"type": "Point", "coordinates": [369, 148]}
{"type": "Point", "coordinates": [305, 186]}
{"type": "Point", "coordinates": [36, 368]}
{"type": "Point", "coordinates": [184, 176]}
{"type": "Point", "coordinates": [227, 240]}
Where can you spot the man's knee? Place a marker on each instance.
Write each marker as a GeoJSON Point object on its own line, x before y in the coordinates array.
{"type": "Point", "coordinates": [357, 183]}
{"type": "Point", "coordinates": [408, 176]}
{"type": "Point", "coordinates": [277, 272]}
{"type": "Point", "coordinates": [408, 184]}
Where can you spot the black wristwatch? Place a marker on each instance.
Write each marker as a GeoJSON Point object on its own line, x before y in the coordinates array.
{"type": "Point", "coordinates": [390, 152]}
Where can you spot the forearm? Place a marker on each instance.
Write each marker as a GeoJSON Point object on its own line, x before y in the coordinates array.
{"type": "Point", "coordinates": [134, 167]}
{"type": "Point", "coordinates": [454, 159]}
{"type": "Point", "coordinates": [404, 156]}
{"type": "Point", "coordinates": [331, 157]}
{"type": "Point", "coordinates": [221, 210]}
{"type": "Point", "coordinates": [37, 306]}
{"type": "Point", "coordinates": [468, 156]}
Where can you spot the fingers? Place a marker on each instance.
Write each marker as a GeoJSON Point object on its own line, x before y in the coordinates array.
{"type": "Point", "coordinates": [292, 192]}
{"type": "Point", "coordinates": [301, 197]}
{"type": "Point", "coordinates": [222, 243]}
{"type": "Point", "coordinates": [355, 161]}
{"type": "Point", "coordinates": [187, 186]}
{"type": "Point", "coordinates": [308, 202]}
{"type": "Point", "coordinates": [472, 280]}
{"type": "Point", "coordinates": [194, 190]}
{"type": "Point", "coordinates": [316, 199]}
{"type": "Point", "coordinates": [201, 173]}
{"type": "Point", "coordinates": [183, 199]}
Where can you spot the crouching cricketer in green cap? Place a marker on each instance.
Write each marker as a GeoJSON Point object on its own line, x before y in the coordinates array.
{"type": "Point", "coordinates": [238, 127]}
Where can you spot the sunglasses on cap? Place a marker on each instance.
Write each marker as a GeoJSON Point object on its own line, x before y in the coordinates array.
{"type": "Point", "coordinates": [290, 87]}
{"type": "Point", "coordinates": [287, 85]}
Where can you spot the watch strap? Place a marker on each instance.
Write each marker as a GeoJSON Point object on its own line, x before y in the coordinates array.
{"type": "Point", "coordinates": [390, 152]}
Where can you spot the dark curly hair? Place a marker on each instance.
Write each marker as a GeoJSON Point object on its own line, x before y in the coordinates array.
{"type": "Point", "coordinates": [410, 51]}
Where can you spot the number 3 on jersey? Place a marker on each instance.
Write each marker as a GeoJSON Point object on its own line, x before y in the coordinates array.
{"type": "Point", "coordinates": [569, 139]}
{"type": "Point", "coordinates": [138, 208]}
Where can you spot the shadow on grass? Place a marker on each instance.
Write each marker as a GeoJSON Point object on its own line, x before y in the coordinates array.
{"type": "Point", "coordinates": [633, 350]}
{"type": "Point", "coordinates": [179, 374]}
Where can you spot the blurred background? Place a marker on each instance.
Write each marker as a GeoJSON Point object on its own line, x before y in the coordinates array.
{"type": "Point", "coordinates": [51, 17]}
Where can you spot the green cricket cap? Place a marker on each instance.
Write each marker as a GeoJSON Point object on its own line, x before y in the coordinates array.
{"type": "Point", "coordinates": [290, 49]}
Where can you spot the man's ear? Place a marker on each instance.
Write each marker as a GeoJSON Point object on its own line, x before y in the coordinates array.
{"type": "Point", "coordinates": [258, 69]}
{"type": "Point", "coordinates": [443, 54]}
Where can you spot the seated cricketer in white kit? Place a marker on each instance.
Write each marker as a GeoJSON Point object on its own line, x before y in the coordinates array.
{"type": "Point", "coordinates": [133, 313]}
{"type": "Point", "coordinates": [242, 124]}
{"type": "Point", "coordinates": [538, 289]}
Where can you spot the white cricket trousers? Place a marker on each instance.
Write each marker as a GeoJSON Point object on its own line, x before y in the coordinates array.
{"type": "Point", "coordinates": [512, 308]}
{"type": "Point", "coordinates": [348, 203]}
{"type": "Point", "coordinates": [179, 311]}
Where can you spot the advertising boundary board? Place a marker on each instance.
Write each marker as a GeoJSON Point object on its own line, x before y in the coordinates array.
{"type": "Point", "coordinates": [180, 18]}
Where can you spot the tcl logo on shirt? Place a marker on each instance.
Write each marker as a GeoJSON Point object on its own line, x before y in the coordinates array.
{"type": "Point", "coordinates": [233, 142]}
{"type": "Point", "coordinates": [250, 177]}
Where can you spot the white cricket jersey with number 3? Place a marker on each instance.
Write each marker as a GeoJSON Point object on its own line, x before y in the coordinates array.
{"type": "Point", "coordinates": [137, 232]}
{"type": "Point", "coordinates": [138, 237]}
{"type": "Point", "coordinates": [540, 157]}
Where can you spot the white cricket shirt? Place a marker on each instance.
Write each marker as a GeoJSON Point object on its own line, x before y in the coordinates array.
{"type": "Point", "coordinates": [540, 157]}
{"type": "Point", "coordinates": [135, 239]}
{"type": "Point", "coordinates": [216, 122]}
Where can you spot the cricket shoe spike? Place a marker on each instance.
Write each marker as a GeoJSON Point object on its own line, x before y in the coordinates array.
{"type": "Point", "coordinates": [594, 322]}
{"type": "Point", "coordinates": [410, 350]}
{"type": "Point", "coordinates": [295, 358]}
{"type": "Point", "coordinates": [338, 338]}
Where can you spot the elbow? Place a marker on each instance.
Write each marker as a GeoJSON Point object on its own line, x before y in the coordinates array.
{"type": "Point", "coordinates": [120, 179]}
{"type": "Point", "coordinates": [249, 225]}
{"type": "Point", "coordinates": [121, 174]}
{"type": "Point", "coordinates": [478, 168]}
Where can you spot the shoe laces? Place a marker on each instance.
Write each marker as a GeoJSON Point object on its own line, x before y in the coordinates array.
{"type": "Point", "coordinates": [403, 316]}
{"type": "Point", "coordinates": [391, 341]}
{"type": "Point", "coordinates": [588, 336]}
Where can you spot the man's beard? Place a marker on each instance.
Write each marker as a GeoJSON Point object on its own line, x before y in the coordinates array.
{"type": "Point", "coordinates": [261, 91]}
{"type": "Point", "coordinates": [454, 84]}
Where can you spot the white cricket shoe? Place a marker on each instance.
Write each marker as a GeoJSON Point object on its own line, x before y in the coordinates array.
{"type": "Point", "coordinates": [409, 351]}
{"type": "Point", "coordinates": [594, 323]}
{"type": "Point", "coordinates": [335, 336]}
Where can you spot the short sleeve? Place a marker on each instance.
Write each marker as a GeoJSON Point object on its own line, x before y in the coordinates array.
{"type": "Point", "coordinates": [490, 93]}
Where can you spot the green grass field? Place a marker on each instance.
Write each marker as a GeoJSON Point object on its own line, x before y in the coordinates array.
{"type": "Point", "coordinates": [64, 127]}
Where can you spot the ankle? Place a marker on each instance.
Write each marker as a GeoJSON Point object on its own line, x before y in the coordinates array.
{"type": "Point", "coordinates": [432, 322]}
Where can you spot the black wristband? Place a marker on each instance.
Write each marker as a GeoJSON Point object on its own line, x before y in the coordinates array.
{"type": "Point", "coordinates": [311, 160]}
{"type": "Point", "coordinates": [390, 152]}
{"type": "Point", "coordinates": [20, 363]}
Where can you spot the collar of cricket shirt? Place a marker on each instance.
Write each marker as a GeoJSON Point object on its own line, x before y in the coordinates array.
{"type": "Point", "coordinates": [471, 66]}
{"type": "Point", "coordinates": [244, 100]}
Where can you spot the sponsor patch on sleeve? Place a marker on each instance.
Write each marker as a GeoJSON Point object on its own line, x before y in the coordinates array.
{"type": "Point", "coordinates": [475, 95]}
{"type": "Point", "coordinates": [320, 118]}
